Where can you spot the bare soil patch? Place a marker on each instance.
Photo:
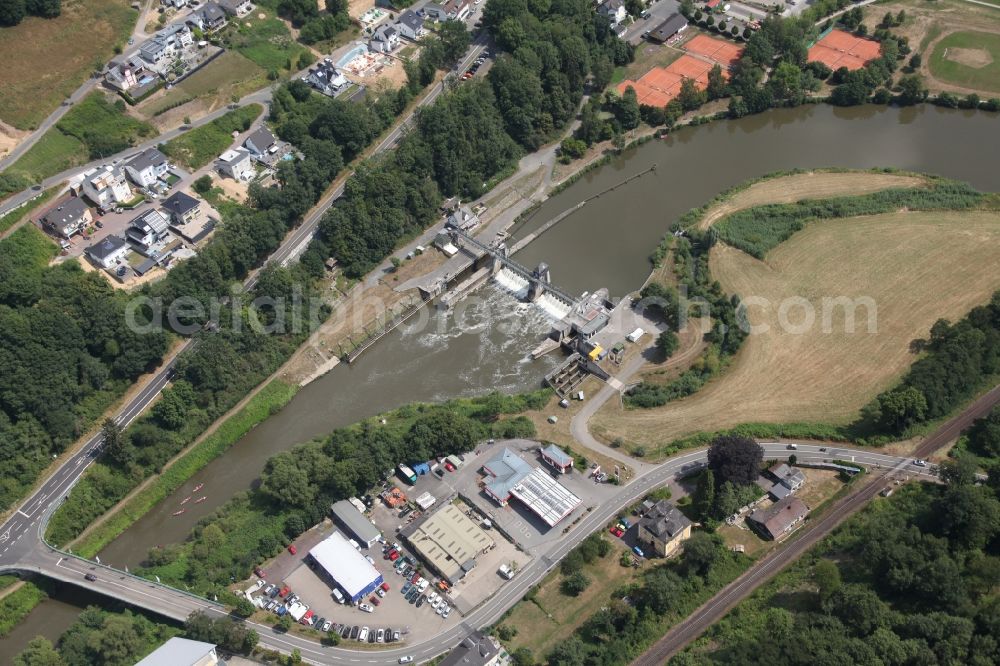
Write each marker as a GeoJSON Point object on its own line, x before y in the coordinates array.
{"type": "Point", "coordinates": [977, 58]}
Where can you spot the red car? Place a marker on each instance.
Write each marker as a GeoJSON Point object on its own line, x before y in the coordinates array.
{"type": "Point", "coordinates": [259, 572]}
{"type": "Point", "coordinates": [448, 466]}
{"type": "Point", "coordinates": [305, 618]}
{"type": "Point", "coordinates": [284, 592]}
{"type": "Point", "coordinates": [415, 578]}
{"type": "Point", "coordinates": [375, 600]}
{"type": "Point", "coordinates": [291, 549]}
{"type": "Point", "coordinates": [393, 556]}
{"type": "Point", "coordinates": [385, 586]}
{"type": "Point", "coordinates": [617, 531]}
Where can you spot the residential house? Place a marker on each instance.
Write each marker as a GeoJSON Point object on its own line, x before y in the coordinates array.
{"type": "Point", "coordinates": [109, 251]}
{"type": "Point", "coordinates": [127, 75]}
{"type": "Point", "coordinates": [325, 78]}
{"type": "Point", "coordinates": [182, 652]}
{"type": "Point", "coordinates": [463, 218]}
{"type": "Point", "coordinates": [176, 4]}
{"type": "Point", "coordinates": [146, 230]}
{"type": "Point", "coordinates": [236, 7]}
{"type": "Point", "coordinates": [384, 40]}
{"type": "Point", "coordinates": [211, 18]}
{"type": "Point", "coordinates": [675, 24]}
{"type": "Point", "coordinates": [166, 44]}
{"type": "Point", "coordinates": [260, 141]}
{"type": "Point", "coordinates": [662, 529]}
{"type": "Point", "coordinates": [780, 518]}
{"type": "Point", "coordinates": [790, 477]}
{"type": "Point", "coordinates": [613, 10]}
{"type": "Point", "coordinates": [476, 650]}
{"type": "Point", "coordinates": [458, 10]}
{"type": "Point", "coordinates": [107, 187]}
{"type": "Point", "coordinates": [181, 207]}
{"type": "Point", "coordinates": [68, 218]}
{"type": "Point", "coordinates": [236, 164]}
{"type": "Point", "coordinates": [147, 167]}
{"type": "Point", "coordinates": [410, 26]}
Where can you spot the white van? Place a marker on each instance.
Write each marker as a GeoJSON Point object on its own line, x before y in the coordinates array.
{"type": "Point", "coordinates": [338, 595]}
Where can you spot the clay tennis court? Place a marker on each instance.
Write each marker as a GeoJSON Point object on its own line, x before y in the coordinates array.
{"type": "Point", "coordinates": [661, 84]}
{"type": "Point", "coordinates": [724, 53]}
{"type": "Point", "coordinates": [842, 49]}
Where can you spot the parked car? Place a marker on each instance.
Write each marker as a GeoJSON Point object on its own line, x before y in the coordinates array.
{"type": "Point", "coordinates": [292, 550]}
{"type": "Point", "coordinates": [281, 610]}
{"type": "Point", "coordinates": [393, 555]}
{"type": "Point", "coordinates": [388, 635]}
{"type": "Point", "coordinates": [443, 608]}
{"type": "Point", "coordinates": [355, 631]}
{"type": "Point", "coordinates": [385, 586]}
{"type": "Point", "coordinates": [380, 636]}
{"type": "Point", "coordinates": [345, 632]}
{"type": "Point", "coordinates": [363, 635]}
{"type": "Point", "coordinates": [375, 600]}
{"type": "Point", "coordinates": [421, 600]}
{"type": "Point", "coordinates": [380, 592]}
{"type": "Point", "coordinates": [327, 625]}
{"type": "Point", "coordinates": [412, 596]}
{"type": "Point", "coordinates": [446, 612]}
{"type": "Point", "coordinates": [395, 635]}
{"type": "Point", "coordinates": [366, 608]}
{"type": "Point", "coordinates": [406, 588]}
{"type": "Point", "coordinates": [371, 636]}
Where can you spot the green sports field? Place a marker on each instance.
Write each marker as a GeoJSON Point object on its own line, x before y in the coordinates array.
{"type": "Point", "coordinates": [968, 59]}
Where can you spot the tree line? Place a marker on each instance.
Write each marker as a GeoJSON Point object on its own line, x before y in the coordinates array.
{"type": "Point", "coordinates": [13, 12]}
{"type": "Point", "coordinates": [298, 486]}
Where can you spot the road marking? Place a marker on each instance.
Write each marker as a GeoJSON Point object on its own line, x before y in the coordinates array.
{"type": "Point", "coordinates": [26, 515]}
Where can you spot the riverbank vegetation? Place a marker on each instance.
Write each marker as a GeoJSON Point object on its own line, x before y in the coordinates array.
{"type": "Point", "coordinates": [788, 380]}
{"type": "Point", "coordinates": [16, 605]}
{"type": "Point", "coordinates": [99, 637]}
{"type": "Point", "coordinates": [911, 579]}
{"type": "Point", "coordinates": [298, 486]}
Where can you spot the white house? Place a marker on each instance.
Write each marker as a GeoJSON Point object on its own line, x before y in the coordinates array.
{"type": "Point", "coordinates": [458, 10]}
{"type": "Point", "coordinates": [108, 251]}
{"type": "Point", "coordinates": [68, 218]}
{"type": "Point", "coordinates": [147, 167]}
{"type": "Point", "coordinates": [127, 75]}
{"type": "Point", "coordinates": [384, 40]}
{"type": "Point", "coordinates": [325, 78]}
{"type": "Point", "coordinates": [182, 652]}
{"type": "Point", "coordinates": [410, 26]}
{"type": "Point", "coordinates": [236, 164]}
{"type": "Point", "coordinates": [613, 10]}
{"type": "Point", "coordinates": [176, 4]}
{"type": "Point", "coordinates": [107, 187]}
{"type": "Point", "coordinates": [236, 7]}
{"type": "Point", "coordinates": [166, 44]}
{"type": "Point", "coordinates": [260, 141]}
{"type": "Point", "coordinates": [211, 17]}
{"type": "Point", "coordinates": [147, 230]}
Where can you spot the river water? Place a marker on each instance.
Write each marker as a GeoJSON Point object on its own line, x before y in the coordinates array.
{"type": "Point", "coordinates": [483, 346]}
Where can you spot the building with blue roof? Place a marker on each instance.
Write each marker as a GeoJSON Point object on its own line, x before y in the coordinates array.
{"type": "Point", "coordinates": [514, 477]}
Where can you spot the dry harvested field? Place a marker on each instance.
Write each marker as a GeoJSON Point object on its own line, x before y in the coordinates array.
{"type": "Point", "coordinates": [916, 267]}
{"type": "Point", "coordinates": [812, 185]}
{"type": "Point", "coordinates": [44, 60]}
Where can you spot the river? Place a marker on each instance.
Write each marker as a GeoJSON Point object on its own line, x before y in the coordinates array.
{"type": "Point", "coordinates": [605, 244]}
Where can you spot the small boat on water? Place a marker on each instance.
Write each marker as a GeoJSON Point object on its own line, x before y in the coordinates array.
{"type": "Point", "coordinates": [185, 501]}
{"type": "Point", "coordinates": [201, 499]}
{"type": "Point", "coordinates": [198, 487]}
{"type": "Point", "coordinates": [177, 513]}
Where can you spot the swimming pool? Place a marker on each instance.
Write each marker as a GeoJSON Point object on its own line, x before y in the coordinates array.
{"type": "Point", "coordinates": [360, 49]}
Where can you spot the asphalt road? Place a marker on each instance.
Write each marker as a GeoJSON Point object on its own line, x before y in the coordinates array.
{"type": "Point", "coordinates": [713, 610]}
{"type": "Point", "coordinates": [35, 556]}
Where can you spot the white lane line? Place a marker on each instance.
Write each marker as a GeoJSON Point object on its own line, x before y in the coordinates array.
{"type": "Point", "coordinates": [26, 515]}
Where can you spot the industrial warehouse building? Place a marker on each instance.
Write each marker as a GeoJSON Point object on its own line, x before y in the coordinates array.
{"type": "Point", "coordinates": [508, 475]}
{"type": "Point", "coordinates": [348, 518]}
{"type": "Point", "coordinates": [448, 541]}
{"type": "Point", "coordinates": [346, 566]}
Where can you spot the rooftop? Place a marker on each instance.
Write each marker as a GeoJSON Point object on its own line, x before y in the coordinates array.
{"type": "Point", "coordinates": [345, 563]}
{"type": "Point", "coordinates": [781, 515]}
{"type": "Point", "coordinates": [410, 18]}
{"type": "Point", "coordinates": [548, 499]}
{"type": "Point", "coordinates": [180, 203]}
{"type": "Point", "coordinates": [148, 158]}
{"type": "Point", "coordinates": [360, 526]}
{"type": "Point", "coordinates": [664, 521]}
{"type": "Point", "coordinates": [181, 652]}
{"type": "Point", "coordinates": [557, 455]}
{"type": "Point", "coordinates": [476, 650]}
{"type": "Point", "coordinates": [67, 212]}
{"type": "Point", "coordinates": [507, 470]}
{"type": "Point", "coordinates": [261, 137]}
{"type": "Point", "coordinates": [106, 247]}
{"type": "Point", "coordinates": [449, 540]}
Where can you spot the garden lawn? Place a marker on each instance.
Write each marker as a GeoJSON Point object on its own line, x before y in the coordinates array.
{"type": "Point", "coordinates": [45, 60]}
{"type": "Point", "coordinates": [552, 617]}
{"type": "Point", "coordinates": [267, 41]}
{"type": "Point", "coordinates": [200, 146]}
{"type": "Point", "coordinates": [968, 59]}
{"type": "Point", "coordinates": [221, 77]}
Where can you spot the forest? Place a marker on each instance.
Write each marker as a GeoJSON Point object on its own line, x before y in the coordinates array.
{"type": "Point", "coordinates": [65, 355]}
